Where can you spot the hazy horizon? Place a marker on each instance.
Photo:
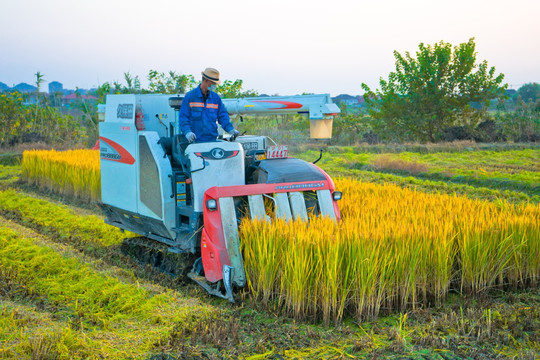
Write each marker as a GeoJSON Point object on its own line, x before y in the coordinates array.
{"type": "Point", "coordinates": [281, 47]}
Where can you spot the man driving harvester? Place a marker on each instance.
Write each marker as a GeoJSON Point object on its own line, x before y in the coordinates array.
{"type": "Point", "coordinates": [202, 108]}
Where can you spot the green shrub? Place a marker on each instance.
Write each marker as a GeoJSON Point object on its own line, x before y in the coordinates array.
{"type": "Point", "coordinates": [23, 122]}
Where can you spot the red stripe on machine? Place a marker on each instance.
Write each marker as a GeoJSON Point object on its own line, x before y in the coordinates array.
{"type": "Point", "coordinates": [288, 104]}
{"type": "Point", "coordinates": [119, 154]}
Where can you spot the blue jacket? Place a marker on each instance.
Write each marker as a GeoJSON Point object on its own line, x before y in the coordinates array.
{"type": "Point", "coordinates": [200, 117]}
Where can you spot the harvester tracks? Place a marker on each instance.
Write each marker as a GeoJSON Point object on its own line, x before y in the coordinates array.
{"type": "Point", "coordinates": [147, 251]}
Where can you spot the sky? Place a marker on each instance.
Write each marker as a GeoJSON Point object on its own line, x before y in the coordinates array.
{"type": "Point", "coordinates": [281, 47]}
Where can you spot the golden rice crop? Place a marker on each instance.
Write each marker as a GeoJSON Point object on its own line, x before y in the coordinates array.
{"type": "Point", "coordinates": [394, 249]}
{"type": "Point", "coordinates": [74, 172]}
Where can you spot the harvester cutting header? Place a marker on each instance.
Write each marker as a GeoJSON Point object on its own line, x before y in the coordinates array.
{"type": "Point", "coordinates": [186, 199]}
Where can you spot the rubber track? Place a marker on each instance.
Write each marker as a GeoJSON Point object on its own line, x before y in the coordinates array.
{"type": "Point", "coordinates": [148, 251]}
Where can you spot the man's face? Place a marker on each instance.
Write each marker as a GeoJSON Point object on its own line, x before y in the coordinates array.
{"type": "Point", "coordinates": [205, 85]}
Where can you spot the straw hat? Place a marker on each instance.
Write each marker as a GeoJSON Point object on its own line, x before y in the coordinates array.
{"type": "Point", "coordinates": [211, 74]}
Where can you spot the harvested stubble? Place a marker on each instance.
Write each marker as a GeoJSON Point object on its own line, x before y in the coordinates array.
{"type": "Point", "coordinates": [74, 172]}
{"type": "Point", "coordinates": [394, 249]}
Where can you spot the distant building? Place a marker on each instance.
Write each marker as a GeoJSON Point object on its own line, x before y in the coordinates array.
{"type": "Point", "coordinates": [55, 87]}
{"type": "Point", "coordinates": [69, 99]}
{"type": "Point", "coordinates": [345, 99]}
{"type": "Point", "coordinates": [4, 87]}
{"type": "Point", "coordinates": [25, 88]}
{"type": "Point", "coordinates": [349, 100]}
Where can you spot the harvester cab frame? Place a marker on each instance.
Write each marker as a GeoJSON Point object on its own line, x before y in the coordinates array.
{"type": "Point", "coordinates": [186, 200]}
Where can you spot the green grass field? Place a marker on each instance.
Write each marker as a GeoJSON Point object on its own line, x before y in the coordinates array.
{"type": "Point", "coordinates": [68, 292]}
{"type": "Point", "coordinates": [513, 175]}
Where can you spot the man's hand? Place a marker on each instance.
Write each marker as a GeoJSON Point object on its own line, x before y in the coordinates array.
{"type": "Point", "coordinates": [234, 133]}
{"type": "Point", "coordinates": [190, 137]}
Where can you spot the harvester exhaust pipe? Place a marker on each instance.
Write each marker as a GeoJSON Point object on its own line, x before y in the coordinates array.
{"type": "Point", "coordinates": [320, 156]}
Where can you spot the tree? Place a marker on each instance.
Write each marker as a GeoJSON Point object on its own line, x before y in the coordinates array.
{"type": "Point", "coordinates": [102, 91]}
{"type": "Point", "coordinates": [40, 78]}
{"type": "Point", "coordinates": [529, 92]}
{"type": "Point", "coordinates": [171, 83]}
{"type": "Point", "coordinates": [439, 88]}
{"type": "Point", "coordinates": [133, 83]}
{"type": "Point", "coordinates": [233, 89]}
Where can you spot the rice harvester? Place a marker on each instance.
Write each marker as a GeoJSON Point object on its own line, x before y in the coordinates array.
{"type": "Point", "coordinates": [185, 200]}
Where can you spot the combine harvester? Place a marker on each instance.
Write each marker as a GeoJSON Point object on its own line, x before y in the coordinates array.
{"type": "Point", "coordinates": [186, 199]}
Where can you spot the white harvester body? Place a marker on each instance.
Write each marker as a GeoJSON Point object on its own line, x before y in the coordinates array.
{"type": "Point", "coordinates": [189, 196]}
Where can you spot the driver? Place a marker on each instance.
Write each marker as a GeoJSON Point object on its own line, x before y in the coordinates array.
{"type": "Point", "coordinates": [202, 109]}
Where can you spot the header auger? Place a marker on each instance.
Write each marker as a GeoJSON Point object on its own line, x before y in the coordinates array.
{"type": "Point", "coordinates": [186, 200]}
